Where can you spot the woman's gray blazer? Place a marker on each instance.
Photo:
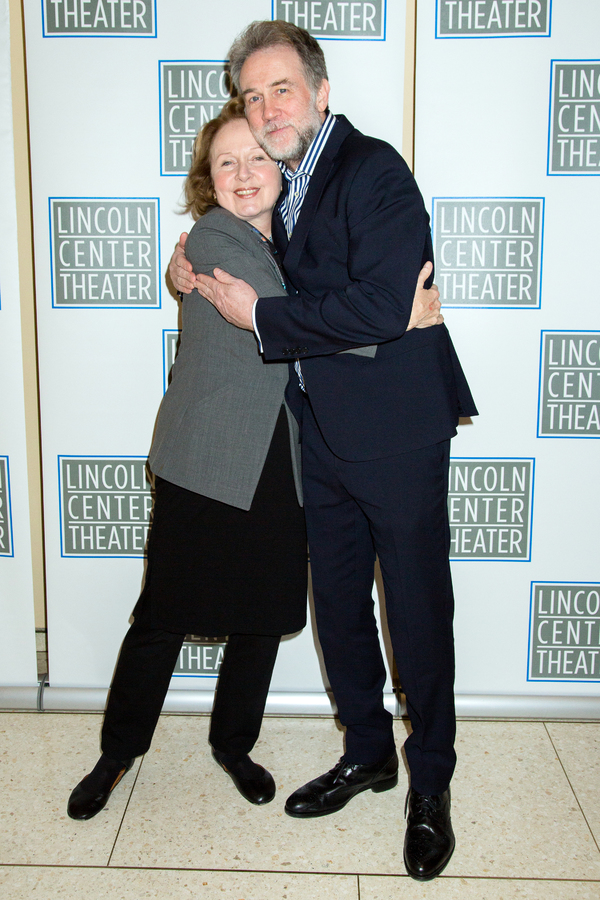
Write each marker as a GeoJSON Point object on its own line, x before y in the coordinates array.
{"type": "Point", "coordinates": [218, 415]}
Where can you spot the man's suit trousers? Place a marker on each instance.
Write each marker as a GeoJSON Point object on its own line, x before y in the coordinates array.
{"type": "Point", "coordinates": [396, 508]}
{"type": "Point", "coordinates": [142, 676]}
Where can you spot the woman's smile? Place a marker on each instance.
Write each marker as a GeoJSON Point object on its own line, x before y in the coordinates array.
{"type": "Point", "coordinates": [246, 180]}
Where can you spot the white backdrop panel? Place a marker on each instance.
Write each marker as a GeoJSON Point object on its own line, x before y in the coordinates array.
{"type": "Point", "coordinates": [96, 139]}
{"type": "Point", "coordinates": [17, 625]}
{"type": "Point", "coordinates": [482, 121]}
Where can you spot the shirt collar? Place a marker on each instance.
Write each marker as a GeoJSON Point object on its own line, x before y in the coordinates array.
{"type": "Point", "coordinates": [311, 157]}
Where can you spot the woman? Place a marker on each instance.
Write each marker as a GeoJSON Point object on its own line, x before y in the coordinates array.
{"type": "Point", "coordinates": [227, 547]}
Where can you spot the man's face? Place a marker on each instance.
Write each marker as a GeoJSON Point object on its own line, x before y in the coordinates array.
{"type": "Point", "coordinates": [283, 114]}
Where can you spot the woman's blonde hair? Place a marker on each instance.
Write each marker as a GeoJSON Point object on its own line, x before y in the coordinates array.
{"type": "Point", "coordinates": [198, 188]}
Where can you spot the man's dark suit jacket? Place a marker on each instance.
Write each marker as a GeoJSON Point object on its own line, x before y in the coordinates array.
{"type": "Point", "coordinates": [354, 258]}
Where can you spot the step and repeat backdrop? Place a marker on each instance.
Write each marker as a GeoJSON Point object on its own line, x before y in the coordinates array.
{"type": "Point", "coordinates": [17, 627]}
{"type": "Point", "coordinates": [118, 90]}
{"type": "Point", "coordinates": [508, 158]}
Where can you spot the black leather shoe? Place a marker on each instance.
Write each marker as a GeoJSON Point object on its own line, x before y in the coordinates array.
{"type": "Point", "coordinates": [92, 793]}
{"type": "Point", "coordinates": [335, 788]}
{"type": "Point", "coordinates": [253, 782]}
{"type": "Point", "coordinates": [429, 841]}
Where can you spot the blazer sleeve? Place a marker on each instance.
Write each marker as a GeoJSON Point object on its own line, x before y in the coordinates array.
{"type": "Point", "coordinates": [382, 242]}
{"type": "Point", "coordinates": [216, 242]}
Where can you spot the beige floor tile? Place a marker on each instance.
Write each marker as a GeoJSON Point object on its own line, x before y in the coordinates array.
{"type": "Point", "coordinates": [119, 884]}
{"type": "Point", "coordinates": [514, 813]}
{"type": "Point", "coordinates": [444, 888]}
{"type": "Point", "coordinates": [578, 747]}
{"type": "Point", "coordinates": [42, 757]}
{"type": "Point", "coordinates": [186, 813]}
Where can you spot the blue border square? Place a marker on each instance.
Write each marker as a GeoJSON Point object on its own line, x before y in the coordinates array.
{"type": "Point", "coordinates": [165, 332]}
{"type": "Point", "coordinates": [486, 559]}
{"type": "Point", "coordinates": [507, 306]}
{"type": "Point", "coordinates": [490, 37]}
{"type": "Point", "coordinates": [531, 680]}
{"type": "Point", "coordinates": [64, 555]}
{"type": "Point", "coordinates": [560, 437]}
{"type": "Point", "coordinates": [564, 174]}
{"type": "Point", "coordinates": [118, 36]}
{"type": "Point", "coordinates": [9, 510]}
{"type": "Point", "coordinates": [345, 37]}
{"type": "Point", "coordinates": [106, 306]}
{"type": "Point", "coordinates": [161, 63]}
{"type": "Point", "coordinates": [213, 677]}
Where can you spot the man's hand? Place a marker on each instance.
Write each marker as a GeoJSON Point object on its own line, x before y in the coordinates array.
{"type": "Point", "coordinates": [233, 297]}
{"type": "Point", "coordinates": [180, 268]}
{"type": "Point", "coordinates": [426, 303]}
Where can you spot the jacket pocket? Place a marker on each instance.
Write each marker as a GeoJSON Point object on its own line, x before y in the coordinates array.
{"type": "Point", "coordinates": [369, 351]}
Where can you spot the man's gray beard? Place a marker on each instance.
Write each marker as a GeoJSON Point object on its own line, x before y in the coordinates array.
{"type": "Point", "coordinates": [294, 155]}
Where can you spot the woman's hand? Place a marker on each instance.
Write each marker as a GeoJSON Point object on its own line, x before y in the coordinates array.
{"type": "Point", "coordinates": [426, 303]}
{"type": "Point", "coordinates": [180, 269]}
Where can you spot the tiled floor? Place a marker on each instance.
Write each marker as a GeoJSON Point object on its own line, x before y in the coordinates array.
{"type": "Point", "coordinates": [526, 802]}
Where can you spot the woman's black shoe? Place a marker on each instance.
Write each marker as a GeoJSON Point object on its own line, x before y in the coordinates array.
{"type": "Point", "coordinates": [253, 782]}
{"type": "Point", "coordinates": [92, 793]}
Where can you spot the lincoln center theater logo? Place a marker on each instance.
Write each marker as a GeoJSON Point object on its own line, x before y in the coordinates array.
{"type": "Point", "coordinates": [171, 337]}
{"type": "Point", "coordinates": [6, 544]}
{"type": "Point", "coordinates": [99, 18]}
{"type": "Point", "coordinates": [105, 252]}
{"type": "Point", "coordinates": [564, 632]}
{"type": "Point", "coordinates": [105, 505]}
{"type": "Point", "coordinates": [574, 144]}
{"type": "Point", "coordinates": [569, 401]}
{"type": "Point", "coordinates": [200, 657]}
{"type": "Point", "coordinates": [488, 250]}
{"type": "Point", "coordinates": [192, 93]}
{"type": "Point", "coordinates": [335, 19]}
{"type": "Point", "coordinates": [493, 18]}
{"type": "Point", "coordinates": [490, 504]}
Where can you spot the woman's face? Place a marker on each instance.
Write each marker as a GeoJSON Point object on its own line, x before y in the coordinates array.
{"type": "Point", "coordinates": [247, 182]}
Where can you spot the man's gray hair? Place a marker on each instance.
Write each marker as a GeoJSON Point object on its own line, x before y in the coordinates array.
{"type": "Point", "coordinates": [260, 35]}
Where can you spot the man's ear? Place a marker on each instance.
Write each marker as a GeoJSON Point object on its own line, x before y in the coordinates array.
{"type": "Point", "coordinates": [323, 95]}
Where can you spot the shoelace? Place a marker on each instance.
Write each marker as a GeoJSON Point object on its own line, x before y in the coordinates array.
{"type": "Point", "coordinates": [424, 806]}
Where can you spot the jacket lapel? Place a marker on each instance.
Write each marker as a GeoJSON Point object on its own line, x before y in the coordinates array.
{"type": "Point", "coordinates": [280, 238]}
{"type": "Point", "coordinates": [318, 180]}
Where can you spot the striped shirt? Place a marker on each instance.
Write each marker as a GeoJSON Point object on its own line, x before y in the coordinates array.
{"type": "Point", "coordinates": [299, 180]}
{"type": "Point", "coordinates": [291, 205]}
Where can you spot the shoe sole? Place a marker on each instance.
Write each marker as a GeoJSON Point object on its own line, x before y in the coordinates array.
{"type": "Point", "coordinates": [377, 788]}
{"type": "Point", "coordinates": [435, 874]}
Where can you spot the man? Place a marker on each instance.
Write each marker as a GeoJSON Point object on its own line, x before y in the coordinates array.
{"type": "Point", "coordinates": [378, 399]}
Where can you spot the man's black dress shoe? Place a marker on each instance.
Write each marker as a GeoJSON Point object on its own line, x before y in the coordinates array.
{"type": "Point", "coordinates": [429, 841]}
{"type": "Point", "coordinates": [253, 782]}
{"type": "Point", "coordinates": [92, 793]}
{"type": "Point", "coordinates": [335, 788]}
